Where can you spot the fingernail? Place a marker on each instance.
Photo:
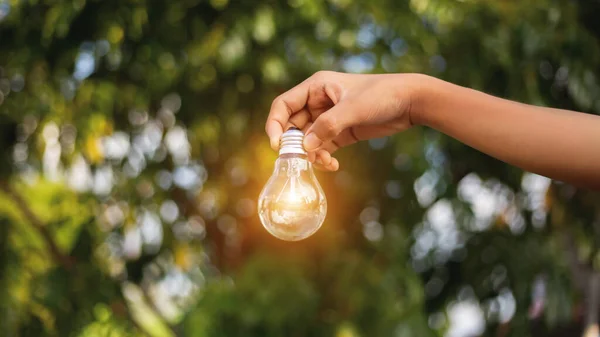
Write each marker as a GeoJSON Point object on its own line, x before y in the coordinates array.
{"type": "Point", "coordinates": [311, 142]}
{"type": "Point", "coordinates": [318, 161]}
{"type": "Point", "coordinates": [335, 166]}
{"type": "Point", "coordinates": [274, 143]}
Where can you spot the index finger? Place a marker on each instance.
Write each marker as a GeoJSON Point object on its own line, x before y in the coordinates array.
{"type": "Point", "coordinates": [283, 107]}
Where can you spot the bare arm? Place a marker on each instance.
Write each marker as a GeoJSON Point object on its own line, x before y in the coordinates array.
{"type": "Point", "coordinates": [559, 144]}
{"type": "Point", "coordinates": [337, 109]}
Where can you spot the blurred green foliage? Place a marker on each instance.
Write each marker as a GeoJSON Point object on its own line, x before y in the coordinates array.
{"type": "Point", "coordinates": [133, 151]}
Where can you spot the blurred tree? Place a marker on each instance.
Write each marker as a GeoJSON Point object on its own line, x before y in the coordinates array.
{"type": "Point", "coordinates": [131, 133]}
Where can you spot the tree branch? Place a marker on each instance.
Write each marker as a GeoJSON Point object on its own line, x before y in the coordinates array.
{"type": "Point", "coordinates": [64, 260]}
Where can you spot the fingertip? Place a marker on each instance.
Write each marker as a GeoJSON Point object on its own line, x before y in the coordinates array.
{"type": "Point", "coordinates": [274, 143]}
{"type": "Point", "coordinates": [334, 165]}
{"type": "Point", "coordinates": [311, 156]}
{"type": "Point", "coordinates": [325, 157]}
{"type": "Point", "coordinates": [274, 131]}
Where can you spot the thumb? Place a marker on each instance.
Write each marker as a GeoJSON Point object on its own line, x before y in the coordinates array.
{"type": "Point", "coordinates": [327, 126]}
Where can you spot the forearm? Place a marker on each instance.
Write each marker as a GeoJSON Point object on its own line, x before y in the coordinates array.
{"type": "Point", "coordinates": [559, 144]}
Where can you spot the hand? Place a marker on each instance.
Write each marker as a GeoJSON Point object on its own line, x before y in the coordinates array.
{"type": "Point", "coordinates": [337, 109]}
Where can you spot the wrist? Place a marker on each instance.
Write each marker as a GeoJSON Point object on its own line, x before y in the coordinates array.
{"type": "Point", "coordinates": [425, 90]}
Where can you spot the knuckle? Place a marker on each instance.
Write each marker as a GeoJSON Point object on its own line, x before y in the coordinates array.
{"type": "Point", "coordinates": [279, 103]}
{"type": "Point", "coordinates": [276, 101]}
{"type": "Point", "coordinates": [322, 74]}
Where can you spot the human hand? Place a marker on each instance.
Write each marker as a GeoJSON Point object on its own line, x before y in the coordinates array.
{"type": "Point", "coordinates": [337, 109]}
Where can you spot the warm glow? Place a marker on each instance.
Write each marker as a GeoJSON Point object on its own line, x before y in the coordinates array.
{"type": "Point", "coordinates": [292, 205]}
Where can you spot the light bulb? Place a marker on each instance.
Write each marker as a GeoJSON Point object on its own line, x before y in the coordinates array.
{"type": "Point", "coordinates": [292, 205]}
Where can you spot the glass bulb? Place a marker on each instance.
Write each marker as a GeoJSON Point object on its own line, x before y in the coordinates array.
{"type": "Point", "coordinates": [292, 205]}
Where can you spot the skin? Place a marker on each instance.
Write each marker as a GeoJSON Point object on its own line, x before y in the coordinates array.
{"type": "Point", "coordinates": [337, 109]}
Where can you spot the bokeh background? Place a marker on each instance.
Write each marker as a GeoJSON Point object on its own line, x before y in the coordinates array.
{"type": "Point", "coordinates": [133, 153]}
